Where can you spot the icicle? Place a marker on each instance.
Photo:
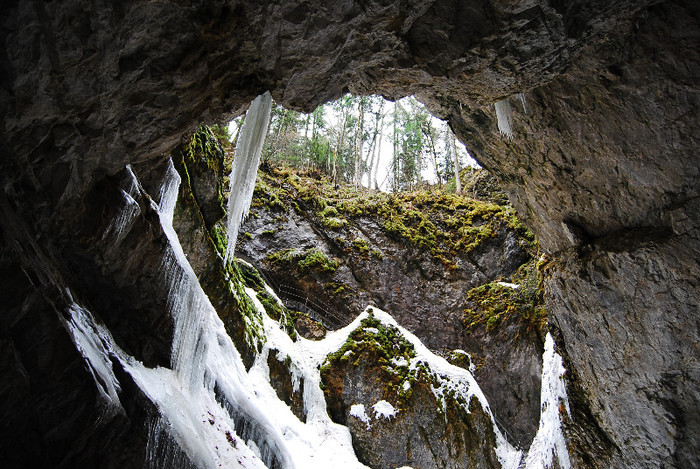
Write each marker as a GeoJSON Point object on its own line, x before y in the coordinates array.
{"type": "Point", "coordinates": [549, 439]}
{"type": "Point", "coordinates": [204, 359]}
{"type": "Point", "coordinates": [167, 198]}
{"type": "Point", "coordinates": [505, 120]}
{"type": "Point", "coordinates": [121, 224]}
{"type": "Point", "coordinates": [521, 97]}
{"type": "Point", "coordinates": [245, 166]}
{"type": "Point", "coordinates": [93, 342]}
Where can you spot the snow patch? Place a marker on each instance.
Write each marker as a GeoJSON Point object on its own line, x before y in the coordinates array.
{"type": "Point", "coordinates": [509, 285]}
{"type": "Point", "coordinates": [384, 409]}
{"type": "Point", "coordinates": [358, 411]}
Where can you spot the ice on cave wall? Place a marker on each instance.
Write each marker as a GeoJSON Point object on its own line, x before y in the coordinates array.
{"type": "Point", "coordinates": [219, 414]}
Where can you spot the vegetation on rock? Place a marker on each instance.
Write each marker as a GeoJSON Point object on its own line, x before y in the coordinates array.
{"type": "Point", "coordinates": [494, 303]}
{"type": "Point", "coordinates": [310, 259]}
{"type": "Point", "coordinates": [443, 223]}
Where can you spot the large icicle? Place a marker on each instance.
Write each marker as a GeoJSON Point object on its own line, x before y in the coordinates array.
{"type": "Point", "coordinates": [245, 165]}
{"type": "Point", "coordinates": [505, 120]}
{"type": "Point", "coordinates": [549, 439]}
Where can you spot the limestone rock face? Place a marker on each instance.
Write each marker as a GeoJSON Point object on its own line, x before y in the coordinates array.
{"type": "Point", "coordinates": [377, 267]}
{"type": "Point", "coordinates": [642, 273]}
{"type": "Point", "coordinates": [604, 146]}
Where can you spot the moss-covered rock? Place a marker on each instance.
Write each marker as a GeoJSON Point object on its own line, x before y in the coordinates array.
{"type": "Point", "coordinates": [494, 303]}
{"type": "Point", "coordinates": [416, 255]}
{"type": "Point", "coordinates": [310, 259]}
{"type": "Point", "coordinates": [434, 424]}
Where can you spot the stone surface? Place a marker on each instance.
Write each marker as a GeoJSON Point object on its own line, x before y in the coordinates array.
{"type": "Point", "coordinates": [646, 381]}
{"type": "Point", "coordinates": [422, 433]}
{"type": "Point", "coordinates": [419, 291]}
{"type": "Point", "coordinates": [606, 143]}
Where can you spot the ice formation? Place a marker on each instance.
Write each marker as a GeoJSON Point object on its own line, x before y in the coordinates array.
{"type": "Point", "coordinates": [549, 440]}
{"type": "Point", "coordinates": [214, 413]}
{"type": "Point", "coordinates": [505, 120]}
{"type": "Point", "coordinates": [245, 166]}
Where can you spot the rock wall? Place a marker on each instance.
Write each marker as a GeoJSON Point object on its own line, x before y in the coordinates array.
{"type": "Point", "coordinates": [381, 257]}
{"type": "Point", "coordinates": [604, 147]}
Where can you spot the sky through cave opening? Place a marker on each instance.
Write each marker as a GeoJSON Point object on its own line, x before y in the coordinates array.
{"type": "Point", "coordinates": [367, 141]}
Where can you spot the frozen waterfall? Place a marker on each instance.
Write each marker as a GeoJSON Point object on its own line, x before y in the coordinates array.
{"type": "Point", "coordinates": [549, 440]}
{"type": "Point", "coordinates": [245, 166]}
{"type": "Point", "coordinates": [212, 412]}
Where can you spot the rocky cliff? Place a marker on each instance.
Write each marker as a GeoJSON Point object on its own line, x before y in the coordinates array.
{"type": "Point", "coordinates": [602, 165]}
{"type": "Point", "coordinates": [432, 259]}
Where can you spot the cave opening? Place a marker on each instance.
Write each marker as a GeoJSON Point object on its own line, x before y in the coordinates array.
{"type": "Point", "coordinates": [601, 164]}
{"type": "Point", "coordinates": [367, 141]}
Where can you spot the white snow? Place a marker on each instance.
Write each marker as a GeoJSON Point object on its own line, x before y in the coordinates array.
{"type": "Point", "coordinates": [384, 409]}
{"type": "Point", "coordinates": [245, 166]}
{"type": "Point", "coordinates": [319, 442]}
{"type": "Point", "coordinates": [504, 117]}
{"type": "Point", "coordinates": [209, 395]}
{"type": "Point", "coordinates": [549, 439]}
{"type": "Point", "coordinates": [397, 361]}
{"type": "Point", "coordinates": [509, 285]}
{"type": "Point", "coordinates": [358, 411]}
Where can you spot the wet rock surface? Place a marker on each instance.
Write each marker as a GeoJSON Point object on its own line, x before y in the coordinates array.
{"type": "Point", "coordinates": [606, 143]}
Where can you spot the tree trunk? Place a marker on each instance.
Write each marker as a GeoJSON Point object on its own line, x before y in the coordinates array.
{"type": "Point", "coordinates": [455, 160]}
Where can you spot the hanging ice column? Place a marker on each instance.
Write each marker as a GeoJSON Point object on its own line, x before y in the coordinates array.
{"type": "Point", "coordinates": [504, 117]}
{"type": "Point", "coordinates": [245, 165]}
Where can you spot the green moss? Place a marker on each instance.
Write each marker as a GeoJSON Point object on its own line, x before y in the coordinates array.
{"type": "Point", "coordinates": [317, 260]}
{"type": "Point", "coordinates": [250, 276]}
{"type": "Point", "coordinates": [329, 211]}
{"type": "Point", "coordinates": [334, 223]}
{"type": "Point", "coordinates": [445, 224]}
{"type": "Point", "coordinates": [308, 260]}
{"type": "Point", "coordinates": [203, 153]}
{"type": "Point", "coordinates": [279, 313]}
{"type": "Point", "coordinates": [268, 232]}
{"type": "Point", "coordinates": [253, 330]}
{"type": "Point", "coordinates": [267, 195]}
{"type": "Point", "coordinates": [387, 356]}
{"type": "Point", "coordinates": [494, 304]}
{"type": "Point", "coordinates": [361, 245]}
{"type": "Point", "coordinates": [219, 238]}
